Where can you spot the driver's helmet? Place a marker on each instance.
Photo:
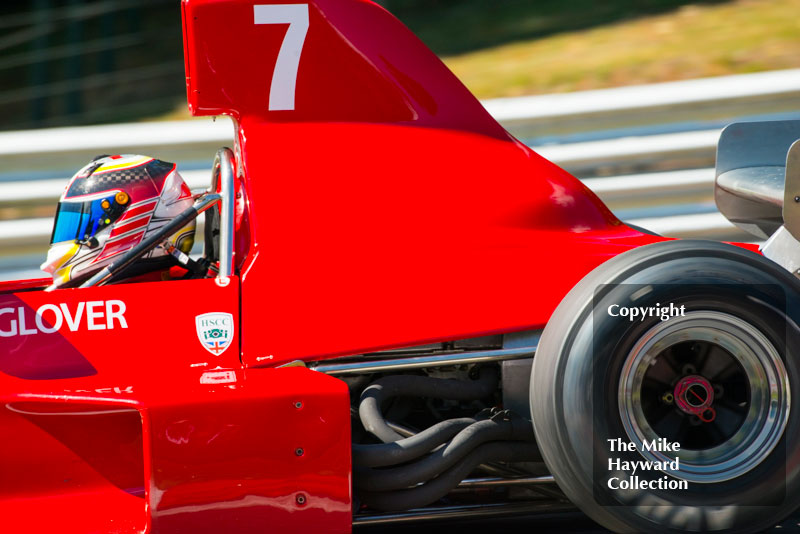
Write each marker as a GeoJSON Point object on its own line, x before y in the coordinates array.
{"type": "Point", "coordinates": [108, 208]}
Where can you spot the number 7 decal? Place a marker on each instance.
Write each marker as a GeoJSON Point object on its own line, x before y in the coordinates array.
{"type": "Point", "coordinates": [284, 77]}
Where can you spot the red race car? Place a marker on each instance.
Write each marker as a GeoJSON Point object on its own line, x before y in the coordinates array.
{"type": "Point", "coordinates": [403, 313]}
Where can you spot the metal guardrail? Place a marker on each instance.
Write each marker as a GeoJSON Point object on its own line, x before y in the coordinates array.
{"type": "Point", "coordinates": [641, 107]}
{"type": "Point", "coordinates": [628, 145]}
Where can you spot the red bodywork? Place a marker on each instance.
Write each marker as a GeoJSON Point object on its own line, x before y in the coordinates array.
{"type": "Point", "coordinates": [386, 209]}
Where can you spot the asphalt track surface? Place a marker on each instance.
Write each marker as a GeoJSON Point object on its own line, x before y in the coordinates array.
{"type": "Point", "coordinates": [565, 523]}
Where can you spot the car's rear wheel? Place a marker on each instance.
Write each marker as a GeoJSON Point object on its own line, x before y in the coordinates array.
{"type": "Point", "coordinates": [716, 376]}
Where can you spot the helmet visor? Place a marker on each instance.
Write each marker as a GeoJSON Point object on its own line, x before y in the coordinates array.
{"type": "Point", "coordinates": [79, 221]}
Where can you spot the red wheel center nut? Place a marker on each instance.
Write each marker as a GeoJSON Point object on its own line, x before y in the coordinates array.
{"type": "Point", "coordinates": [694, 394]}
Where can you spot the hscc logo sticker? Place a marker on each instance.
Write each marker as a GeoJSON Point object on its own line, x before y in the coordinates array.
{"type": "Point", "coordinates": [215, 331]}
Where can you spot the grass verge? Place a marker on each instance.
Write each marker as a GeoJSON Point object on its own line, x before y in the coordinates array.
{"type": "Point", "coordinates": [692, 41]}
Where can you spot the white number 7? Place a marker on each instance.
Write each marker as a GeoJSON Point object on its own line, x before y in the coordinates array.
{"type": "Point", "coordinates": [284, 78]}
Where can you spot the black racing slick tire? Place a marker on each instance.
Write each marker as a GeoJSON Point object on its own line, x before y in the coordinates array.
{"type": "Point", "coordinates": [715, 370]}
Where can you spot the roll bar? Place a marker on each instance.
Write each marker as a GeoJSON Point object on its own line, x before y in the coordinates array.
{"type": "Point", "coordinates": [222, 171]}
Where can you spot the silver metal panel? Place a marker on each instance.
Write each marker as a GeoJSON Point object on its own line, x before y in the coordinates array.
{"type": "Point", "coordinates": [791, 203]}
{"type": "Point", "coordinates": [516, 374]}
{"type": "Point", "coordinates": [759, 184]}
{"type": "Point", "coordinates": [783, 249]}
{"type": "Point", "coordinates": [755, 144]}
{"type": "Point", "coordinates": [516, 383]}
{"type": "Point", "coordinates": [751, 158]}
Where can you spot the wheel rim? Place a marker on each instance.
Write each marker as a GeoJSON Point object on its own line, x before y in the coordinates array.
{"type": "Point", "coordinates": [712, 382]}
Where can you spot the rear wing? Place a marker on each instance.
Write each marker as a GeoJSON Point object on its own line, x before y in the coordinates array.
{"type": "Point", "coordinates": [758, 185]}
{"type": "Point", "coordinates": [758, 169]}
